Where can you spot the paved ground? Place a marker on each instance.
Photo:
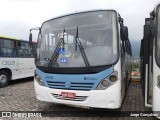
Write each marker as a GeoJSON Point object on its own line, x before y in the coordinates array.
{"type": "Point", "coordinates": [19, 96]}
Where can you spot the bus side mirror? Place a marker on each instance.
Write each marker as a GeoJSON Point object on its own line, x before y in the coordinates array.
{"type": "Point", "coordinates": [124, 33]}
{"type": "Point", "coordinates": [30, 38]}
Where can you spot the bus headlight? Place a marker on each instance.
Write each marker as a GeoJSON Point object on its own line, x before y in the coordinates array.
{"type": "Point", "coordinates": [108, 81]}
{"type": "Point", "coordinates": [105, 83]}
{"type": "Point", "coordinates": [158, 81]}
{"type": "Point", "coordinates": [38, 79]}
{"type": "Point", "coordinates": [113, 77]}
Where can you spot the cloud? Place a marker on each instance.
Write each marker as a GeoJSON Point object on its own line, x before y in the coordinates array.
{"type": "Point", "coordinates": [18, 16]}
{"type": "Point", "coordinates": [134, 13]}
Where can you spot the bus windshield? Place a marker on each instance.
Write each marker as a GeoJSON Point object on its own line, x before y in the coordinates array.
{"type": "Point", "coordinates": [158, 38]}
{"type": "Point", "coordinates": [96, 33]}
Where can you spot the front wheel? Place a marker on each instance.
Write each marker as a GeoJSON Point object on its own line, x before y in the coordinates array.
{"type": "Point", "coordinates": [4, 79]}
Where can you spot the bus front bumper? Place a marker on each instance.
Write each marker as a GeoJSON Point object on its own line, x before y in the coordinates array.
{"type": "Point", "coordinates": [109, 98]}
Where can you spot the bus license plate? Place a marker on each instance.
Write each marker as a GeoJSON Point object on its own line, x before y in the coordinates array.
{"type": "Point", "coordinates": [68, 95]}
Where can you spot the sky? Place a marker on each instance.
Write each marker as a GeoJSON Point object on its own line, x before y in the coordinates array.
{"type": "Point", "coordinates": [17, 17]}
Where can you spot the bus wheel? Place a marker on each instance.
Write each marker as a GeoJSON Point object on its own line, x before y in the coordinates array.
{"type": "Point", "coordinates": [4, 79]}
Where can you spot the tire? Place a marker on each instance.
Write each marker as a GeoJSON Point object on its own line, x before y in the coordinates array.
{"type": "Point", "coordinates": [4, 78]}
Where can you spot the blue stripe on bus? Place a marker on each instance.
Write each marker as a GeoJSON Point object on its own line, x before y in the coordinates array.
{"type": "Point", "coordinates": [74, 82]}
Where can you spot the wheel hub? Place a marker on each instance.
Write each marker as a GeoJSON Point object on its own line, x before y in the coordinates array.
{"type": "Point", "coordinates": [3, 79]}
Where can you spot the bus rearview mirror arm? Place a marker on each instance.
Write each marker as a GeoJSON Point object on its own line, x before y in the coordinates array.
{"type": "Point", "coordinates": [30, 35]}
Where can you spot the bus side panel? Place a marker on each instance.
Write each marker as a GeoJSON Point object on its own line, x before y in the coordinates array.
{"type": "Point", "coordinates": [146, 68]}
{"type": "Point", "coordinates": [26, 67]}
{"type": "Point", "coordinates": [123, 75]}
{"type": "Point", "coordinates": [156, 89]}
{"type": "Point", "coordinates": [129, 69]}
{"type": "Point", "coordinates": [118, 68]}
{"type": "Point", "coordinates": [10, 64]}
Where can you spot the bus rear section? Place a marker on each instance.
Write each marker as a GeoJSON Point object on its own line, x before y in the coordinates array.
{"type": "Point", "coordinates": [150, 67]}
{"type": "Point", "coordinates": [16, 60]}
{"type": "Point", "coordinates": [82, 60]}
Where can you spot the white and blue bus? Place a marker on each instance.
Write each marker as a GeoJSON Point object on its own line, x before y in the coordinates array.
{"type": "Point", "coordinates": [150, 60]}
{"type": "Point", "coordinates": [83, 59]}
{"type": "Point", "coordinates": [16, 59]}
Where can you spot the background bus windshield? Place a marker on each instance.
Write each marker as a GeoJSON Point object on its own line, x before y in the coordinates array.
{"type": "Point", "coordinates": [96, 31]}
{"type": "Point", "coordinates": [158, 38]}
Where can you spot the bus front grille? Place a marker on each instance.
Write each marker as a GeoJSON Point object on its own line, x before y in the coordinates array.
{"type": "Point", "coordinates": [73, 85]}
{"type": "Point", "coordinates": [77, 98]}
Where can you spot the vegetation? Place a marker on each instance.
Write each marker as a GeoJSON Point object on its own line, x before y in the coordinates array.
{"type": "Point", "coordinates": [135, 66]}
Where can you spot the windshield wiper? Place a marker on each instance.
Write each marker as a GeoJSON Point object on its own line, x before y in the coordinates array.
{"type": "Point", "coordinates": [61, 42]}
{"type": "Point", "coordinates": [56, 52]}
{"type": "Point", "coordinates": [81, 48]}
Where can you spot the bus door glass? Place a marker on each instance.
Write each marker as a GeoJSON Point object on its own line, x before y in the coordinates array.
{"type": "Point", "coordinates": [147, 62]}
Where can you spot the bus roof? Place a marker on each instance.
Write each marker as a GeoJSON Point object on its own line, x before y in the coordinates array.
{"type": "Point", "coordinates": [157, 5]}
{"type": "Point", "coordinates": [12, 38]}
{"type": "Point", "coordinates": [1, 36]}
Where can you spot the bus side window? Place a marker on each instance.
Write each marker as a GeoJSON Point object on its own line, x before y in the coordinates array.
{"type": "Point", "coordinates": [1, 49]}
{"type": "Point", "coordinates": [27, 49]}
{"type": "Point", "coordinates": [14, 49]}
{"type": "Point", "coordinates": [19, 49]}
{"type": "Point", "coordinates": [34, 49]}
{"type": "Point", "coordinates": [128, 47]}
{"type": "Point", "coordinates": [6, 48]}
{"type": "Point", "coordinates": [123, 49]}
